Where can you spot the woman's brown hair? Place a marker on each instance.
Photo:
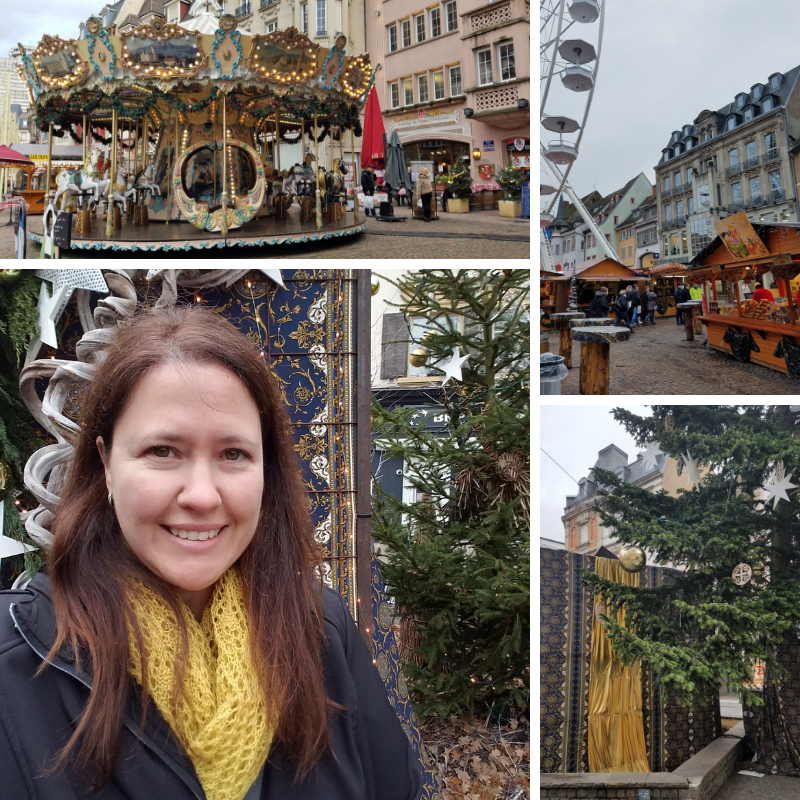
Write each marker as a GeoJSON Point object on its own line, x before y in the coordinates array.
{"type": "Point", "coordinates": [89, 563]}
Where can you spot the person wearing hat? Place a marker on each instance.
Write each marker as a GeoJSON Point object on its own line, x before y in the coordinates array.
{"type": "Point", "coordinates": [368, 187]}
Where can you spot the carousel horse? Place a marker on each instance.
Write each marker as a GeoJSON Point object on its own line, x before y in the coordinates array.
{"type": "Point", "coordinates": [144, 181]}
{"type": "Point", "coordinates": [331, 184]}
{"type": "Point", "coordinates": [121, 189]}
{"type": "Point", "coordinates": [82, 179]}
{"type": "Point", "coordinates": [299, 177]}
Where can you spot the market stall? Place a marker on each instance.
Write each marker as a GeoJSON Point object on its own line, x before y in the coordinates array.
{"type": "Point", "coordinates": [763, 331]}
{"type": "Point", "coordinates": [184, 124]}
{"type": "Point", "coordinates": [591, 275]}
{"type": "Point", "coordinates": [11, 159]}
{"type": "Point", "coordinates": [664, 278]}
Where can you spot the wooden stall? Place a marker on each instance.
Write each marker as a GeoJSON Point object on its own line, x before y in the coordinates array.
{"type": "Point", "coordinates": [665, 279]}
{"type": "Point", "coordinates": [765, 333]}
{"type": "Point", "coordinates": [553, 293]}
{"type": "Point", "coordinates": [591, 275]}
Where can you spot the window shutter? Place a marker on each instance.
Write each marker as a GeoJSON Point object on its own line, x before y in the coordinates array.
{"type": "Point", "coordinates": [394, 347]}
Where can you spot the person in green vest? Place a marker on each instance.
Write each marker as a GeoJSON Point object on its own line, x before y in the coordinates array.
{"type": "Point", "coordinates": [696, 293]}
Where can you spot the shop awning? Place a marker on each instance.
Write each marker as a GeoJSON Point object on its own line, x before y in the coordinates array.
{"type": "Point", "coordinates": [13, 158]}
{"type": "Point", "coordinates": [671, 260]}
{"type": "Point", "coordinates": [672, 266]}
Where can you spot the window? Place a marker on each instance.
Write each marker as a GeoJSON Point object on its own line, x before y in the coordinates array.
{"type": "Point", "coordinates": [272, 26]}
{"type": "Point", "coordinates": [757, 92]}
{"type": "Point", "coordinates": [451, 16]}
{"type": "Point", "coordinates": [689, 144]}
{"type": "Point", "coordinates": [748, 114]}
{"type": "Point", "coordinates": [405, 30]}
{"type": "Point", "coordinates": [632, 200]}
{"type": "Point", "coordinates": [616, 220]}
{"type": "Point", "coordinates": [392, 31]}
{"type": "Point", "coordinates": [730, 124]}
{"type": "Point", "coordinates": [774, 180]}
{"type": "Point", "coordinates": [703, 196]}
{"type": "Point", "coordinates": [705, 133]}
{"type": "Point", "coordinates": [774, 81]}
{"type": "Point", "coordinates": [305, 17]}
{"type": "Point", "coordinates": [438, 85]}
{"type": "Point", "coordinates": [740, 100]}
{"type": "Point", "coordinates": [668, 213]}
{"type": "Point", "coordinates": [679, 208]}
{"type": "Point", "coordinates": [484, 58]}
{"type": "Point", "coordinates": [455, 81]}
{"type": "Point", "coordinates": [557, 250]}
{"type": "Point", "coordinates": [733, 157]}
{"type": "Point", "coordinates": [770, 142]}
{"type": "Point", "coordinates": [394, 92]}
{"type": "Point", "coordinates": [767, 106]}
{"type": "Point", "coordinates": [422, 88]}
{"type": "Point", "coordinates": [505, 61]}
{"type": "Point", "coordinates": [419, 25]}
{"type": "Point", "coordinates": [436, 22]}
{"type": "Point", "coordinates": [320, 17]}
{"type": "Point", "coordinates": [666, 184]}
{"type": "Point", "coordinates": [691, 205]}
{"type": "Point", "coordinates": [755, 187]}
{"type": "Point", "coordinates": [736, 189]}
{"type": "Point", "coordinates": [677, 180]}
{"type": "Point", "coordinates": [750, 149]}
{"type": "Point", "coordinates": [689, 175]}
{"type": "Point", "coordinates": [408, 91]}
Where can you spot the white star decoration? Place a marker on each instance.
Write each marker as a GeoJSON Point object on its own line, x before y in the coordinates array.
{"type": "Point", "coordinates": [8, 546]}
{"type": "Point", "coordinates": [692, 468]}
{"type": "Point", "coordinates": [50, 311]}
{"type": "Point", "coordinates": [91, 279]}
{"type": "Point", "coordinates": [452, 367]}
{"type": "Point", "coordinates": [777, 491]}
{"type": "Point", "coordinates": [651, 452]}
{"type": "Point", "coordinates": [272, 274]}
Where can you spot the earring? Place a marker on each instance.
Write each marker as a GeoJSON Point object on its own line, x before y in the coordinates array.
{"type": "Point", "coordinates": [110, 500]}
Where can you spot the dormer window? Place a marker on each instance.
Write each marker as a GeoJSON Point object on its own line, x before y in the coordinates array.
{"type": "Point", "coordinates": [689, 144]}
{"type": "Point", "coordinates": [748, 113]}
{"type": "Point", "coordinates": [730, 123]}
{"type": "Point", "coordinates": [758, 90]}
{"type": "Point", "coordinates": [678, 149]}
{"type": "Point", "coordinates": [740, 100]}
{"type": "Point", "coordinates": [775, 80]}
{"type": "Point", "coordinates": [687, 129]}
{"type": "Point", "coordinates": [767, 105]}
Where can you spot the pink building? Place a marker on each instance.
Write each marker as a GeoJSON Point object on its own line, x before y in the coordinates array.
{"type": "Point", "coordinates": [455, 80]}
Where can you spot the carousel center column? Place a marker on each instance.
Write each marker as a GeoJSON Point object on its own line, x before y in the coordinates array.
{"type": "Point", "coordinates": [110, 203]}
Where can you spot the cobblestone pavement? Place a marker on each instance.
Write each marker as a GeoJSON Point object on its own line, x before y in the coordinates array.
{"type": "Point", "coordinates": [658, 360]}
{"type": "Point", "coordinates": [770, 787]}
{"type": "Point", "coordinates": [465, 236]}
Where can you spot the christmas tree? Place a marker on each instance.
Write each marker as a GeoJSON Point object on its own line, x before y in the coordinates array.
{"type": "Point", "coordinates": [572, 300]}
{"type": "Point", "coordinates": [511, 179]}
{"type": "Point", "coordinates": [732, 535]}
{"type": "Point", "coordinates": [460, 183]}
{"type": "Point", "coordinates": [456, 559]}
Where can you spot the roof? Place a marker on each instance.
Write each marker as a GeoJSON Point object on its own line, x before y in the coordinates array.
{"type": "Point", "coordinates": [8, 155]}
{"type": "Point", "coordinates": [152, 7]}
{"type": "Point", "coordinates": [758, 227]}
{"type": "Point", "coordinates": [610, 263]}
{"type": "Point", "coordinates": [131, 19]}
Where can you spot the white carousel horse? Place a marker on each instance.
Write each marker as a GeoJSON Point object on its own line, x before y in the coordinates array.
{"type": "Point", "coordinates": [299, 173]}
{"type": "Point", "coordinates": [75, 181]}
{"type": "Point", "coordinates": [122, 189]}
{"type": "Point", "coordinates": [144, 181]}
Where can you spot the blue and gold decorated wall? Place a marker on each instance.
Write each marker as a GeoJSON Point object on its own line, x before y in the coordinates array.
{"type": "Point", "coordinates": [673, 734]}
{"type": "Point", "coordinates": [307, 333]}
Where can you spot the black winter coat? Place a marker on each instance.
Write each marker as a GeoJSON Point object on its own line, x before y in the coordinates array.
{"type": "Point", "coordinates": [373, 759]}
{"type": "Point", "coordinates": [634, 298]}
{"type": "Point", "coordinates": [599, 307]}
{"type": "Point", "coordinates": [367, 183]}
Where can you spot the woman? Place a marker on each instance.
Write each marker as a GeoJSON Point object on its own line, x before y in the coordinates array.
{"type": "Point", "coordinates": [424, 191]}
{"type": "Point", "coordinates": [178, 645]}
{"type": "Point", "coordinates": [599, 305]}
{"type": "Point", "coordinates": [651, 301]}
{"type": "Point", "coordinates": [621, 310]}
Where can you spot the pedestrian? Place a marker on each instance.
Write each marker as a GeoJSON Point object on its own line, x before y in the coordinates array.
{"type": "Point", "coordinates": [696, 292]}
{"type": "Point", "coordinates": [599, 305]}
{"type": "Point", "coordinates": [763, 294]}
{"type": "Point", "coordinates": [679, 298]}
{"type": "Point", "coordinates": [446, 195]}
{"type": "Point", "coordinates": [586, 296]}
{"type": "Point", "coordinates": [634, 301]}
{"type": "Point", "coordinates": [650, 298]}
{"type": "Point", "coordinates": [368, 188]}
{"type": "Point", "coordinates": [402, 198]}
{"type": "Point", "coordinates": [424, 191]}
{"type": "Point", "coordinates": [181, 588]}
{"type": "Point", "coordinates": [621, 310]}
{"type": "Point", "coordinates": [747, 292]}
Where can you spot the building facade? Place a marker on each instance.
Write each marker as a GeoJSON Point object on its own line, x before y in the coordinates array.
{"type": "Point", "coordinates": [455, 82]}
{"type": "Point", "coordinates": [637, 235]}
{"type": "Point", "coordinates": [730, 160]}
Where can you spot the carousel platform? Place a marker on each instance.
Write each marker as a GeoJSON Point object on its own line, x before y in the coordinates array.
{"type": "Point", "coordinates": [160, 237]}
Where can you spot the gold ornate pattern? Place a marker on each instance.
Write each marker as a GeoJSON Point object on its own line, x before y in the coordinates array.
{"type": "Point", "coordinates": [58, 63]}
{"type": "Point", "coordinates": [159, 33]}
{"type": "Point", "coordinates": [356, 74]}
{"type": "Point", "coordinates": [284, 56]}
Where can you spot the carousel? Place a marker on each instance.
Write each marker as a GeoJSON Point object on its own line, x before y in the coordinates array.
{"type": "Point", "coordinates": [181, 130]}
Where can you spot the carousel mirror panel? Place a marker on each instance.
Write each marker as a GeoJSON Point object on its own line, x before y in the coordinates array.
{"type": "Point", "coordinates": [284, 56]}
{"type": "Point", "coordinates": [163, 50]}
{"type": "Point", "coordinates": [58, 63]}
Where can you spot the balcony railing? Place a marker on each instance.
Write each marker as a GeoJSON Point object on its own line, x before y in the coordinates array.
{"type": "Point", "coordinates": [666, 192]}
{"type": "Point", "coordinates": [265, 3]}
{"type": "Point", "coordinates": [758, 200]}
{"type": "Point", "coordinates": [776, 194]}
{"type": "Point", "coordinates": [734, 169]}
{"type": "Point", "coordinates": [738, 205]}
{"type": "Point", "coordinates": [688, 186]}
{"type": "Point", "coordinates": [243, 10]}
{"type": "Point", "coordinates": [679, 221]}
{"type": "Point", "coordinates": [771, 155]}
{"type": "Point", "coordinates": [750, 163]}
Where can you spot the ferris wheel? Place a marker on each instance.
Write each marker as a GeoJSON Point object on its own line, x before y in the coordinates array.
{"type": "Point", "coordinates": [565, 54]}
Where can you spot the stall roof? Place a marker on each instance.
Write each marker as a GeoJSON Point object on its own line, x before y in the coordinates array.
{"type": "Point", "coordinates": [771, 233]}
{"type": "Point", "coordinates": [671, 267]}
{"type": "Point", "coordinates": [601, 269]}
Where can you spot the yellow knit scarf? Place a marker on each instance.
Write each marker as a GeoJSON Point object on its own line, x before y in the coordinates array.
{"type": "Point", "coordinates": [222, 717]}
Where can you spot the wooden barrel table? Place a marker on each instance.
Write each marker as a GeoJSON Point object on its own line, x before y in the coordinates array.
{"type": "Point", "coordinates": [688, 313]}
{"type": "Point", "coordinates": [604, 322]}
{"type": "Point", "coordinates": [595, 351]}
{"type": "Point", "coordinates": [565, 343]}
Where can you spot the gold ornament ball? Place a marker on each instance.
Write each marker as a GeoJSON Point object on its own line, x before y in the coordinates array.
{"type": "Point", "coordinates": [5, 475]}
{"type": "Point", "coordinates": [376, 287]}
{"type": "Point", "coordinates": [632, 559]}
{"type": "Point", "coordinates": [418, 357]}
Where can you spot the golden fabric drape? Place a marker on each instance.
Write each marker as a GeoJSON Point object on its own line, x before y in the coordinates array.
{"type": "Point", "coordinates": [616, 730]}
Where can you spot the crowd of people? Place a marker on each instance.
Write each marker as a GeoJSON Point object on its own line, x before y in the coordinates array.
{"type": "Point", "coordinates": [422, 191]}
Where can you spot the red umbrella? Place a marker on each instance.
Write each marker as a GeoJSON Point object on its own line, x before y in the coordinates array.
{"type": "Point", "coordinates": [372, 138]}
{"type": "Point", "coordinates": [9, 156]}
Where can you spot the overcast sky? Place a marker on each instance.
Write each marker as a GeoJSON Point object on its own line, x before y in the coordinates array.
{"type": "Point", "coordinates": [661, 64]}
{"type": "Point", "coordinates": [26, 22]}
{"type": "Point", "coordinates": [573, 436]}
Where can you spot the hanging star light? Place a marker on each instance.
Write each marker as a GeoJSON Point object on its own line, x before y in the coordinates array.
{"type": "Point", "coordinates": [778, 491]}
{"type": "Point", "coordinates": [651, 452]}
{"type": "Point", "coordinates": [91, 279]}
{"type": "Point", "coordinates": [50, 311]}
{"type": "Point", "coordinates": [8, 546]}
{"type": "Point", "coordinates": [275, 275]}
{"type": "Point", "coordinates": [692, 468]}
{"type": "Point", "coordinates": [452, 367]}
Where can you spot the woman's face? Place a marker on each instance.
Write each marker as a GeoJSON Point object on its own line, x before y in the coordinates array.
{"type": "Point", "coordinates": [186, 475]}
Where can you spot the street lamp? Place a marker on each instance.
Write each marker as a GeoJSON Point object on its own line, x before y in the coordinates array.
{"type": "Point", "coordinates": [476, 153]}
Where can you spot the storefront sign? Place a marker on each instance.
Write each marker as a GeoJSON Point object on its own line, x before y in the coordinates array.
{"type": "Point", "coordinates": [522, 162]}
{"type": "Point", "coordinates": [784, 259]}
{"type": "Point", "coordinates": [488, 147]}
{"type": "Point", "coordinates": [425, 119]}
{"type": "Point", "coordinates": [740, 237]}
{"type": "Point", "coordinates": [519, 144]}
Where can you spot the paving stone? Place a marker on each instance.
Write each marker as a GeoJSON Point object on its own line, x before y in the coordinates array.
{"type": "Point", "coordinates": [659, 360]}
{"type": "Point", "coordinates": [770, 787]}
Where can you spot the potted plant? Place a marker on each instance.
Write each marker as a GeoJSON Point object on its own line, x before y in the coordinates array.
{"type": "Point", "coordinates": [511, 179]}
{"type": "Point", "coordinates": [461, 187]}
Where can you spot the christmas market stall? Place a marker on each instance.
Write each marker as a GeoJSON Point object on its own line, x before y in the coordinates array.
{"type": "Point", "coordinates": [181, 129]}
{"type": "Point", "coordinates": [591, 275]}
{"type": "Point", "coordinates": [763, 328]}
{"type": "Point", "coordinates": [664, 278]}
{"type": "Point", "coordinates": [12, 160]}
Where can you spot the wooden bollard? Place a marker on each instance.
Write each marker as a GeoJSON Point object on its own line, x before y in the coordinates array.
{"type": "Point", "coordinates": [595, 363]}
{"type": "Point", "coordinates": [688, 322]}
{"type": "Point", "coordinates": [565, 344]}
